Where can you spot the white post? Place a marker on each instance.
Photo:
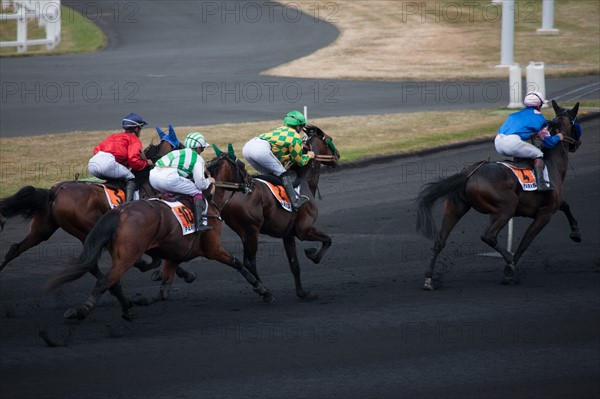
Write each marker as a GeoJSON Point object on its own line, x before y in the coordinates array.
{"type": "Point", "coordinates": [510, 236]}
{"type": "Point", "coordinates": [508, 34]}
{"type": "Point", "coordinates": [535, 78]}
{"type": "Point", "coordinates": [22, 29]}
{"type": "Point", "coordinates": [306, 113]}
{"type": "Point", "coordinates": [515, 89]}
{"type": "Point", "coordinates": [547, 19]}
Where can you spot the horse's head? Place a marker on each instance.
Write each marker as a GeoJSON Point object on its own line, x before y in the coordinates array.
{"type": "Point", "coordinates": [322, 145]}
{"type": "Point", "coordinates": [227, 167]}
{"type": "Point", "coordinates": [154, 152]}
{"type": "Point", "coordinates": [565, 122]}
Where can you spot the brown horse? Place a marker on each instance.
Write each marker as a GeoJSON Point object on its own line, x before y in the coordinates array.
{"type": "Point", "coordinates": [149, 226]}
{"type": "Point", "coordinates": [74, 206]}
{"type": "Point", "coordinates": [250, 215]}
{"type": "Point", "coordinates": [490, 188]}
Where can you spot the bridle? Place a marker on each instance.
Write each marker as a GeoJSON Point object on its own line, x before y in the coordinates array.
{"type": "Point", "coordinates": [232, 186]}
{"type": "Point", "coordinates": [314, 132]}
{"type": "Point", "coordinates": [572, 142]}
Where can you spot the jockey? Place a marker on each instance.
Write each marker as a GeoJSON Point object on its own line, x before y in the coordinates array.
{"type": "Point", "coordinates": [174, 173]}
{"type": "Point", "coordinates": [118, 152]}
{"type": "Point", "coordinates": [268, 153]}
{"type": "Point", "coordinates": [521, 126]}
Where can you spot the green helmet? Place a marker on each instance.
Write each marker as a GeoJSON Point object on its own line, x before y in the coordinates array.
{"type": "Point", "coordinates": [294, 118]}
{"type": "Point", "coordinates": [195, 140]}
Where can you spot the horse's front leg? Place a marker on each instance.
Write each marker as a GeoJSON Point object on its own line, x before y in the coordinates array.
{"type": "Point", "coordinates": [289, 244]}
{"type": "Point", "coordinates": [316, 235]}
{"type": "Point", "coordinates": [532, 231]}
{"type": "Point", "coordinates": [575, 235]}
{"type": "Point", "coordinates": [213, 250]}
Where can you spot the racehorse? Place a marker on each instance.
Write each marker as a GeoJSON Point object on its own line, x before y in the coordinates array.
{"type": "Point", "coordinates": [149, 226]}
{"type": "Point", "coordinates": [250, 215]}
{"type": "Point", "coordinates": [490, 188]}
{"type": "Point", "coordinates": [74, 206]}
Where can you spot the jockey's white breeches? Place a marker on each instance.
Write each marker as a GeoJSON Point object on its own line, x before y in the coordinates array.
{"type": "Point", "coordinates": [512, 145]}
{"type": "Point", "coordinates": [258, 154]}
{"type": "Point", "coordinates": [103, 165]}
{"type": "Point", "coordinates": [167, 180]}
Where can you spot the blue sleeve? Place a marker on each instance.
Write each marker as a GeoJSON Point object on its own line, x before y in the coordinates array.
{"type": "Point", "coordinates": [551, 141]}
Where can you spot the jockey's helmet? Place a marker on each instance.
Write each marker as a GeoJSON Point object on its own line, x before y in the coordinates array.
{"type": "Point", "coordinates": [294, 118]}
{"type": "Point", "coordinates": [195, 140]}
{"type": "Point", "coordinates": [132, 121]}
{"type": "Point", "coordinates": [534, 99]}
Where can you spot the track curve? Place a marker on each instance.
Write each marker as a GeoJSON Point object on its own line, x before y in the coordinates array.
{"type": "Point", "coordinates": [372, 333]}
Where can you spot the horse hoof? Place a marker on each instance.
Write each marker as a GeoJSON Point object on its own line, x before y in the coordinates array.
{"type": "Point", "coordinates": [127, 315]}
{"type": "Point", "coordinates": [308, 296]}
{"type": "Point", "coordinates": [75, 314]}
{"type": "Point", "coordinates": [311, 253]}
{"type": "Point", "coordinates": [575, 237]}
{"type": "Point", "coordinates": [156, 276]}
{"type": "Point", "coordinates": [428, 285]}
{"type": "Point", "coordinates": [138, 300]}
{"type": "Point", "coordinates": [190, 278]}
{"type": "Point", "coordinates": [268, 298]}
{"type": "Point", "coordinates": [508, 280]}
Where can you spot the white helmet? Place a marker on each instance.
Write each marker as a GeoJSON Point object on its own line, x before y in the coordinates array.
{"type": "Point", "coordinates": [534, 99]}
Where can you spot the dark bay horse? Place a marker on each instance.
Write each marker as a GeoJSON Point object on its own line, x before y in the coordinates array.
{"type": "Point", "coordinates": [250, 215]}
{"type": "Point", "coordinates": [490, 188]}
{"type": "Point", "coordinates": [74, 206]}
{"type": "Point", "coordinates": [148, 226]}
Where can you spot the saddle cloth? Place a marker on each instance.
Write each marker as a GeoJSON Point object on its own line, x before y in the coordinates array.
{"type": "Point", "coordinates": [279, 194]}
{"type": "Point", "coordinates": [114, 196]}
{"type": "Point", "coordinates": [525, 175]}
{"type": "Point", "coordinates": [183, 214]}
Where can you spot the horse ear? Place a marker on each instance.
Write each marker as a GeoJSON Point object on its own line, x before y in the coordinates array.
{"type": "Point", "coordinates": [556, 107]}
{"type": "Point", "coordinates": [231, 152]}
{"type": "Point", "coordinates": [217, 150]}
{"type": "Point", "coordinates": [172, 131]}
{"type": "Point", "coordinates": [574, 110]}
{"type": "Point", "coordinates": [161, 134]}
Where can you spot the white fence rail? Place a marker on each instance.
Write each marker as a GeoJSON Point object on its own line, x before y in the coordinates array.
{"type": "Point", "coordinates": [46, 12]}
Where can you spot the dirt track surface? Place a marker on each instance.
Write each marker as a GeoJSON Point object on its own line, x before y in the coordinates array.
{"type": "Point", "coordinates": [372, 333]}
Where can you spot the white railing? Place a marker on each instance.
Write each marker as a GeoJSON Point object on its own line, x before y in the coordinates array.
{"type": "Point", "coordinates": [46, 12]}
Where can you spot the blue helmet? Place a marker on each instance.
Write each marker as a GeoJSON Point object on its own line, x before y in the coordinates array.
{"type": "Point", "coordinates": [132, 121]}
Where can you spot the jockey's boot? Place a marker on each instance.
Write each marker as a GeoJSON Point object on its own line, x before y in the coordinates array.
{"type": "Point", "coordinates": [538, 168]}
{"type": "Point", "coordinates": [130, 188]}
{"type": "Point", "coordinates": [199, 217]}
{"type": "Point", "coordinates": [288, 183]}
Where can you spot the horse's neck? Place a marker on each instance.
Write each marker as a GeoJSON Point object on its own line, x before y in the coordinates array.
{"type": "Point", "coordinates": [312, 179]}
{"type": "Point", "coordinates": [558, 159]}
{"type": "Point", "coordinates": [147, 191]}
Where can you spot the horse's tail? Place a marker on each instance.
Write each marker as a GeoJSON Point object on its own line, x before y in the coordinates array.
{"type": "Point", "coordinates": [98, 239]}
{"type": "Point", "coordinates": [26, 202]}
{"type": "Point", "coordinates": [451, 187]}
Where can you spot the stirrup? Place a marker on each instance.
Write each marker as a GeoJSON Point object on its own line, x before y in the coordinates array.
{"type": "Point", "coordinates": [203, 227]}
{"type": "Point", "coordinates": [544, 186]}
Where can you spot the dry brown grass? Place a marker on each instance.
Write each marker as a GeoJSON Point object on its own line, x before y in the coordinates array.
{"type": "Point", "coordinates": [446, 40]}
{"type": "Point", "coordinates": [45, 160]}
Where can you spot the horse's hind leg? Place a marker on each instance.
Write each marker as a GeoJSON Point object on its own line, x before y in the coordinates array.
{"type": "Point", "coordinates": [453, 212]}
{"type": "Point", "coordinates": [167, 275]}
{"type": "Point", "coordinates": [40, 230]}
{"type": "Point", "coordinates": [575, 234]}
{"type": "Point", "coordinates": [490, 237]}
{"type": "Point", "coordinates": [289, 244]}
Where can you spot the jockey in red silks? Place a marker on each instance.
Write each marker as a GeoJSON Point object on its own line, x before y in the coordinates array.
{"type": "Point", "coordinates": [120, 151]}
